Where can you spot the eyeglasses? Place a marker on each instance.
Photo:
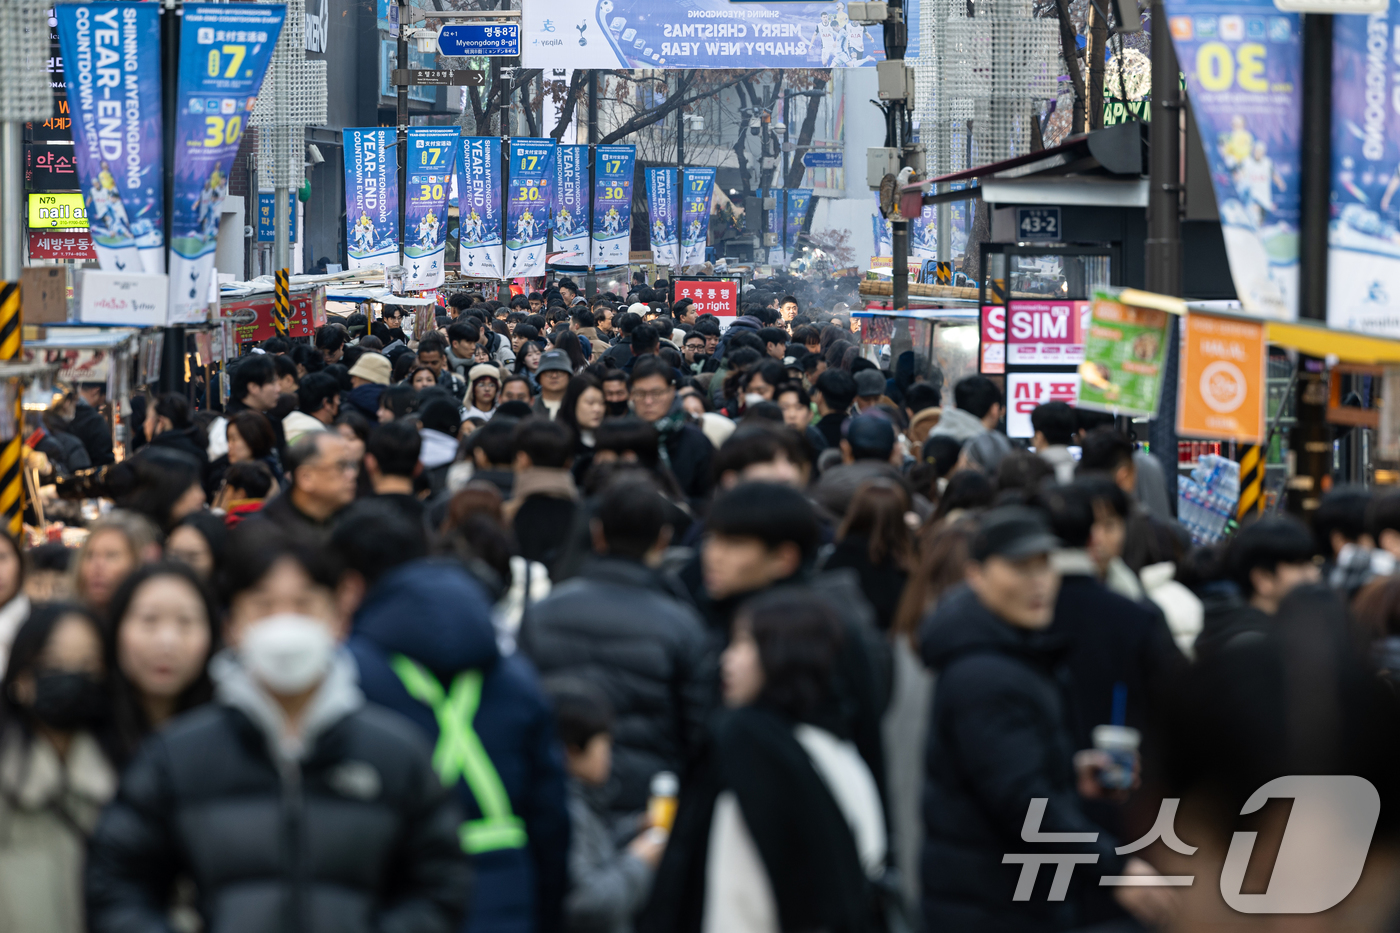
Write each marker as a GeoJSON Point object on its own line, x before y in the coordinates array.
{"type": "Point", "coordinates": [652, 395]}
{"type": "Point", "coordinates": [344, 466]}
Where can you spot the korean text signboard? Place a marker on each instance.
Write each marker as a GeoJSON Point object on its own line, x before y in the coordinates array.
{"type": "Point", "coordinates": [1221, 392]}
{"type": "Point", "coordinates": [66, 244]}
{"type": "Point", "coordinates": [718, 298]}
{"type": "Point", "coordinates": [1027, 391]}
{"type": "Point", "coordinates": [1045, 333]}
{"type": "Point", "coordinates": [1124, 354]}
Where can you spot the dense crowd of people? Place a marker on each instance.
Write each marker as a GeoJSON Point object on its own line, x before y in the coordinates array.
{"type": "Point", "coordinates": [571, 615]}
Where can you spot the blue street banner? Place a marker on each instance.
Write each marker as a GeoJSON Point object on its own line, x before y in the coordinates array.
{"type": "Point", "coordinates": [571, 233]}
{"type": "Point", "coordinates": [612, 204]}
{"type": "Point", "coordinates": [371, 197]}
{"type": "Point", "coordinates": [798, 200]}
{"type": "Point", "coordinates": [113, 80]}
{"type": "Point", "coordinates": [776, 253]}
{"type": "Point", "coordinates": [1243, 65]}
{"type": "Point", "coordinates": [527, 211]}
{"type": "Point", "coordinates": [697, 188]}
{"type": "Point", "coordinates": [699, 34]}
{"type": "Point", "coordinates": [663, 206]}
{"type": "Point", "coordinates": [224, 52]}
{"type": "Point", "coordinates": [431, 162]}
{"type": "Point", "coordinates": [923, 233]}
{"type": "Point", "coordinates": [479, 207]}
{"type": "Point", "coordinates": [1363, 278]}
{"type": "Point", "coordinates": [884, 235]}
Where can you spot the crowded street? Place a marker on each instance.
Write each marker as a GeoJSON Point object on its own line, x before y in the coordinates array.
{"type": "Point", "coordinates": [706, 467]}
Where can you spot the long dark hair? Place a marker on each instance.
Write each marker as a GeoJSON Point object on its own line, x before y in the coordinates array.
{"type": "Point", "coordinates": [578, 385]}
{"type": "Point", "coordinates": [130, 725]}
{"type": "Point", "coordinates": [26, 650]}
{"type": "Point", "coordinates": [876, 513]}
{"type": "Point", "coordinates": [568, 341]}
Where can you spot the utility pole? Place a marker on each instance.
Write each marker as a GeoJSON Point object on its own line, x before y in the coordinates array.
{"type": "Point", "coordinates": [1164, 224]}
{"type": "Point", "coordinates": [1311, 440]}
{"type": "Point", "coordinates": [591, 279]}
{"type": "Point", "coordinates": [401, 122]}
{"type": "Point", "coordinates": [172, 363]}
{"type": "Point", "coordinates": [896, 42]}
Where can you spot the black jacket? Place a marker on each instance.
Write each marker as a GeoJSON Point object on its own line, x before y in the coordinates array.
{"type": "Point", "coordinates": [91, 428]}
{"type": "Point", "coordinates": [691, 453]}
{"type": "Point", "coordinates": [1229, 619]}
{"type": "Point", "coordinates": [186, 440]}
{"type": "Point", "coordinates": [619, 625]}
{"type": "Point", "coordinates": [363, 838]}
{"type": "Point", "coordinates": [882, 583]}
{"type": "Point", "coordinates": [999, 737]}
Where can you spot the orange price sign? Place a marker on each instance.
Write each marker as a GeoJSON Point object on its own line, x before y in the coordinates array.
{"type": "Point", "coordinates": [1221, 391]}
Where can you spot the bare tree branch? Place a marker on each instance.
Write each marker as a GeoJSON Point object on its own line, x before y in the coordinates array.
{"type": "Point", "coordinates": [577, 81]}
{"type": "Point", "coordinates": [660, 112]}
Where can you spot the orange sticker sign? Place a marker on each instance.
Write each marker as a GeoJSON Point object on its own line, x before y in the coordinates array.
{"type": "Point", "coordinates": [1221, 392]}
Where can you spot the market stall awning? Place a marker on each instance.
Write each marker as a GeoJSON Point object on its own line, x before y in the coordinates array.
{"type": "Point", "coordinates": [1321, 341]}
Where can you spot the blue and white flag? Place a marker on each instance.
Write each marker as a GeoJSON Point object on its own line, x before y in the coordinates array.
{"type": "Point", "coordinates": [528, 209]}
{"type": "Point", "coordinates": [479, 207]}
{"type": "Point", "coordinates": [664, 208]}
{"type": "Point", "coordinates": [612, 204]}
{"type": "Point", "coordinates": [225, 49]}
{"type": "Point", "coordinates": [113, 79]}
{"type": "Point", "coordinates": [698, 187]}
{"type": "Point", "coordinates": [571, 203]}
{"type": "Point", "coordinates": [432, 160]}
{"type": "Point", "coordinates": [371, 197]}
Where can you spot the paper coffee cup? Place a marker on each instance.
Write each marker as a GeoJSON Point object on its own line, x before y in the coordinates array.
{"type": "Point", "coordinates": [1121, 743]}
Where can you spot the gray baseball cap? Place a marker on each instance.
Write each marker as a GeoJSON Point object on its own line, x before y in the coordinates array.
{"type": "Point", "coordinates": [555, 361]}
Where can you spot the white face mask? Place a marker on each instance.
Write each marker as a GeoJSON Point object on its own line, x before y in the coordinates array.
{"type": "Point", "coordinates": [289, 653]}
{"type": "Point", "coordinates": [752, 398]}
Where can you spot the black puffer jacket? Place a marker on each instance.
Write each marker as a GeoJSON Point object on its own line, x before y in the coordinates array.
{"type": "Point", "coordinates": [620, 626]}
{"type": "Point", "coordinates": [1000, 736]}
{"type": "Point", "coordinates": [360, 837]}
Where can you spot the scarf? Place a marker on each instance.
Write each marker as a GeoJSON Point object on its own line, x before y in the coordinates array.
{"type": "Point", "coordinates": [670, 426]}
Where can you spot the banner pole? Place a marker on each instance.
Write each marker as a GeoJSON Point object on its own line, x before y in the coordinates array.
{"type": "Point", "coordinates": [172, 363]}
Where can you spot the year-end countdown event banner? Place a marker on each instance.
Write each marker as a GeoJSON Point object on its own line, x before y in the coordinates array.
{"type": "Point", "coordinates": [571, 228]}
{"type": "Point", "coordinates": [1221, 392]}
{"type": "Point", "coordinates": [432, 160]}
{"type": "Point", "coordinates": [697, 188]}
{"type": "Point", "coordinates": [612, 204]}
{"type": "Point", "coordinates": [113, 81]}
{"type": "Point", "coordinates": [371, 197]}
{"type": "Point", "coordinates": [664, 207]}
{"type": "Point", "coordinates": [1363, 278]}
{"type": "Point", "coordinates": [224, 52]}
{"type": "Point", "coordinates": [479, 206]}
{"type": "Point", "coordinates": [527, 211]}
{"type": "Point", "coordinates": [1243, 65]}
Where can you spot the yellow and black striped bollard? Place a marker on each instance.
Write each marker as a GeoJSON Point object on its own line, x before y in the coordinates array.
{"type": "Point", "coordinates": [282, 302]}
{"type": "Point", "coordinates": [1251, 481]}
{"type": "Point", "coordinates": [11, 461]}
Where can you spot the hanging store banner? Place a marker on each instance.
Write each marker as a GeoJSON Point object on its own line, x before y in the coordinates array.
{"type": "Point", "coordinates": [697, 188]}
{"type": "Point", "coordinates": [1243, 65]}
{"type": "Point", "coordinates": [1125, 351]}
{"type": "Point", "coordinates": [571, 203]}
{"type": "Point", "coordinates": [664, 209]}
{"type": "Point", "coordinates": [776, 255]}
{"type": "Point", "coordinates": [883, 233]}
{"type": "Point", "coordinates": [114, 101]}
{"type": "Point", "coordinates": [479, 206]}
{"type": "Point", "coordinates": [1363, 277]}
{"type": "Point", "coordinates": [527, 211]}
{"type": "Point", "coordinates": [697, 34]}
{"type": "Point", "coordinates": [612, 204]}
{"type": "Point", "coordinates": [1221, 391]}
{"type": "Point", "coordinates": [224, 52]}
{"type": "Point", "coordinates": [432, 160]}
{"type": "Point", "coordinates": [371, 197]}
{"type": "Point", "coordinates": [798, 200]}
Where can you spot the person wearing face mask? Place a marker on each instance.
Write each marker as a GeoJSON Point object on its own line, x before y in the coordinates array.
{"type": "Point", "coordinates": [290, 802]}
{"type": "Point", "coordinates": [163, 632]}
{"type": "Point", "coordinates": [54, 773]}
{"type": "Point", "coordinates": [616, 394]}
